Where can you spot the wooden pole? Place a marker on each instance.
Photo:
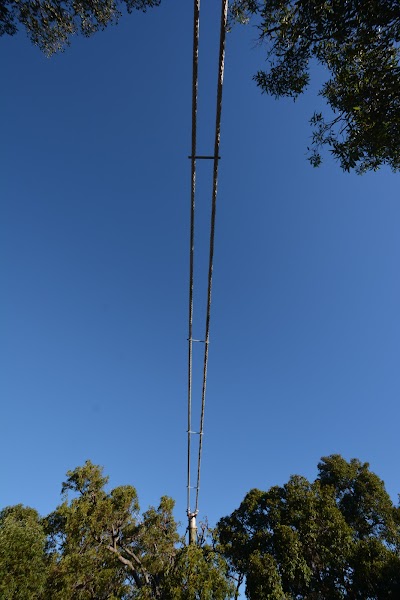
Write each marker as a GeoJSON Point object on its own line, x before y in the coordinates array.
{"type": "Point", "coordinates": [192, 528]}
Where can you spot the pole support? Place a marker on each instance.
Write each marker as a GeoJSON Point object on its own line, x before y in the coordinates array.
{"type": "Point", "coordinates": [192, 527]}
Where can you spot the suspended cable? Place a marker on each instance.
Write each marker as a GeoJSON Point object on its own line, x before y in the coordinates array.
{"type": "Point", "coordinates": [221, 62]}
{"type": "Point", "coordinates": [215, 157]}
{"type": "Point", "coordinates": [195, 85]}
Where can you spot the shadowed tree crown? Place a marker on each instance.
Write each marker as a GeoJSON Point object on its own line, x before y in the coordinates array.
{"type": "Point", "coordinates": [356, 42]}
{"type": "Point", "coordinates": [50, 24]}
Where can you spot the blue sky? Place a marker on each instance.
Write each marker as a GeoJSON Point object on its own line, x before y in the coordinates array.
{"type": "Point", "coordinates": [95, 190]}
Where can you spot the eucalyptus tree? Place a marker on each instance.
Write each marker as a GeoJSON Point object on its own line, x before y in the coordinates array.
{"type": "Point", "coordinates": [100, 545]}
{"type": "Point", "coordinates": [357, 45]}
{"type": "Point", "coordinates": [97, 545]}
{"type": "Point", "coordinates": [50, 24]}
{"type": "Point", "coordinates": [337, 537]}
{"type": "Point", "coordinates": [23, 562]}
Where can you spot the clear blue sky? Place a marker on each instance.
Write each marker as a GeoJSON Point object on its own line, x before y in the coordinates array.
{"type": "Point", "coordinates": [95, 198]}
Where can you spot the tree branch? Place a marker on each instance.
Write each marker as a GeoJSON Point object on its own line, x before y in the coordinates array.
{"type": "Point", "coordinates": [129, 564]}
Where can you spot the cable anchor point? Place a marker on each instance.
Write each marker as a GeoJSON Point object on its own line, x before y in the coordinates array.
{"type": "Point", "coordinates": [192, 526]}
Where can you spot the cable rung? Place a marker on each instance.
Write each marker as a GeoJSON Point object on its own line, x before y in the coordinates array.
{"type": "Point", "coordinates": [204, 157]}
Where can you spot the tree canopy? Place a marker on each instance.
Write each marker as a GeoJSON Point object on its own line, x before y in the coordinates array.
{"type": "Point", "coordinates": [357, 45]}
{"type": "Point", "coordinates": [50, 24]}
{"type": "Point", "coordinates": [22, 554]}
{"type": "Point", "coordinates": [337, 537]}
{"type": "Point", "coordinates": [97, 545]}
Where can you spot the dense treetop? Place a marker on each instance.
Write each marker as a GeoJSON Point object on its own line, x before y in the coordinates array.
{"type": "Point", "coordinates": [357, 45]}
{"type": "Point", "coordinates": [50, 23]}
{"type": "Point", "coordinates": [337, 537]}
{"type": "Point", "coordinates": [97, 545]}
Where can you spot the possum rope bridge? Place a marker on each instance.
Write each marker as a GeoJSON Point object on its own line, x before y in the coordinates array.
{"type": "Point", "coordinates": [215, 157]}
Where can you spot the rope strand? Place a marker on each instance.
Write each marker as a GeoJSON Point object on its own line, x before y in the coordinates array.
{"type": "Point", "coordinates": [224, 14]}
{"type": "Point", "coordinates": [195, 85]}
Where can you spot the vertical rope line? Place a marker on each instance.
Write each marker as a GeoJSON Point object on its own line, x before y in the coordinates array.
{"type": "Point", "coordinates": [196, 26]}
{"type": "Point", "coordinates": [224, 14]}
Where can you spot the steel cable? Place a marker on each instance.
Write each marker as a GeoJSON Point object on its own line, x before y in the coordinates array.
{"type": "Point", "coordinates": [196, 26]}
{"type": "Point", "coordinates": [224, 14]}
